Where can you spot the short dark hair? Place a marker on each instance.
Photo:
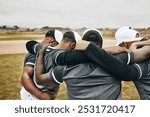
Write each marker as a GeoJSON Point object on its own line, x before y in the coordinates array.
{"type": "Point", "coordinates": [69, 36]}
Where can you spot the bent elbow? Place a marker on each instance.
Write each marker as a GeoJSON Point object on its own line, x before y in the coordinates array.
{"type": "Point", "coordinates": [38, 81]}
{"type": "Point", "coordinates": [22, 81]}
{"type": "Point", "coordinates": [147, 56]}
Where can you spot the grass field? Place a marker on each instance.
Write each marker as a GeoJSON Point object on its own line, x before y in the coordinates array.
{"type": "Point", "coordinates": [10, 73]}
{"type": "Point", "coordinates": [20, 37]}
{"type": "Point", "coordinates": [30, 36]}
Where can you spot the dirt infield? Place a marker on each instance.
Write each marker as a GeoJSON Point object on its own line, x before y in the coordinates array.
{"type": "Point", "coordinates": [14, 47]}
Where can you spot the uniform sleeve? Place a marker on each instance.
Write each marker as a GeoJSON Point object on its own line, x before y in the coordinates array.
{"type": "Point", "coordinates": [113, 65]}
{"type": "Point", "coordinates": [56, 74]}
{"type": "Point", "coordinates": [144, 68]}
{"type": "Point", "coordinates": [30, 60]}
{"type": "Point", "coordinates": [72, 57]}
{"type": "Point", "coordinates": [127, 58]}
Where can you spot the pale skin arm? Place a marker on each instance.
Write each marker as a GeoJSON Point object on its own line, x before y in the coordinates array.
{"type": "Point", "coordinates": [28, 84]}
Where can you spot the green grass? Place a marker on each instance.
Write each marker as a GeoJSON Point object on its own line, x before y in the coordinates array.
{"type": "Point", "coordinates": [20, 37]}
{"type": "Point", "coordinates": [10, 73]}
{"type": "Point", "coordinates": [29, 36]}
{"type": "Point", "coordinates": [129, 92]}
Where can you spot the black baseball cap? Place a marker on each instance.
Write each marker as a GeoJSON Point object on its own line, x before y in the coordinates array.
{"type": "Point", "coordinates": [30, 46]}
{"type": "Point", "coordinates": [72, 35]}
{"type": "Point", "coordinates": [50, 33]}
{"type": "Point", "coordinates": [92, 35]}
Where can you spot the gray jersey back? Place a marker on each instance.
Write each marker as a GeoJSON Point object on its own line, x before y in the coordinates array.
{"type": "Point", "coordinates": [87, 81]}
{"type": "Point", "coordinates": [143, 84]}
{"type": "Point", "coordinates": [29, 60]}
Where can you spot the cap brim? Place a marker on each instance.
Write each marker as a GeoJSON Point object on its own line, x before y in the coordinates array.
{"type": "Point", "coordinates": [30, 46]}
{"type": "Point", "coordinates": [135, 39]}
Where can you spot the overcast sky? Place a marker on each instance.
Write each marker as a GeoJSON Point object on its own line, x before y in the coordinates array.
{"type": "Point", "coordinates": [75, 13]}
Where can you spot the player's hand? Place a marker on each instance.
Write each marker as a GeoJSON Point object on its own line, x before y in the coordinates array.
{"type": "Point", "coordinates": [116, 50]}
{"type": "Point", "coordinates": [46, 96]}
{"type": "Point", "coordinates": [133, 46]}
{"type": "Point", "coordinates": [44, 47]}
{"type": "Point", "coordinates": [82, 45]}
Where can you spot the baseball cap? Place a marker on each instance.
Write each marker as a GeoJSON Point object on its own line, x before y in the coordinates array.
{"type": "Point", "coordinates": [92, 35]}
{"type": "Point", "coordinates": [121, 29]}
{"type": "Point", "coordinates": [31, 46]}
{"type": "Point", "coordinates": [56, 34]}
{"type": "Point", "coordinates": [72, 35]}
{"type": "Point", "coordinates": [127, 35]}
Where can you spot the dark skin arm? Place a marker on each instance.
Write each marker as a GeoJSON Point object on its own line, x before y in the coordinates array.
{"type": "Point", "coordinates": [116, 50]}
{"type": "Point", "coordinates": [139, 44]}
{"type": "Point", "coordinates": [82, 45]}
{"type": "Point", "coordinates": [45, 80]}
{"type": "Point", "coordinates": [141, 54]}
{"type": "Point", "coordinates": [41, 77]}
{"type": "Point", "coordinates": [28, 84]}
{"type": "Point", "coordinates": [141, 50]}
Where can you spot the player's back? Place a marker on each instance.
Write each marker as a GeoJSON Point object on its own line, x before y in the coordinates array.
{"type": "Point", "coordinates": [49, 58]}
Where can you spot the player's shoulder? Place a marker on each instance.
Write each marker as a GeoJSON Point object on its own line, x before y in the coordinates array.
{"type": "Point", "coordinates": [50, 48]}
{"type": "Point", "coordinates": [53, 50]}
{"type": "Point", "coordinates": [30, 56]}
{"type": "Point", "coordinates": [29, 60]}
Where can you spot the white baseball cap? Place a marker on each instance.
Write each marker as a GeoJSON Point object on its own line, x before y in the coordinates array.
{"type": "Point", "coordinates": [77, 36]}
{"type": "Point", "coordinates": [121, 29]}
{"type": "Point", "coordinates": [56, 34]}
{"type": "Point", "coordinates": [127, 35]}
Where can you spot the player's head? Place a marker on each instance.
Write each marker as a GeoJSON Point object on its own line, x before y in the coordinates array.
{"type": "Point", "coordinates": [126, 37]}
{"type": "Point", "coordinates": [93, 35]}
{"type": "Point", "coordinates": [69, 40]}
{"type": "Point", "coordinates": [52, 37]}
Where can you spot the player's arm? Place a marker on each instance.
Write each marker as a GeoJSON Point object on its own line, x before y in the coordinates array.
{"type": "Point", "coordinates": [27, 83]}
{"type": "Point", "coordinates": [82, 45]}
{"type": "Point", "coordinates": [27, 79]}
{"type": "Point", "coordinates": [141, 54]}
{"type": "Point", "coordinates": [115, 66]}
{"type": "Point", "coordinates": [139, 44]}
{"type": "Point", "coordinates": [42, 77]}
{"type": "Point", "coordinates": [74, 57]}
{"type": "Point", "coordinates": [116, 50]}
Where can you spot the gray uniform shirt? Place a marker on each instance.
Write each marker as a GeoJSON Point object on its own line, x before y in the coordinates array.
{"type": "Point", "coordinates": [143, 84]}
{"type": "Point", "coordinates": [88, 81]}
{"type": "Point", "coordinates": [29, 60]}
